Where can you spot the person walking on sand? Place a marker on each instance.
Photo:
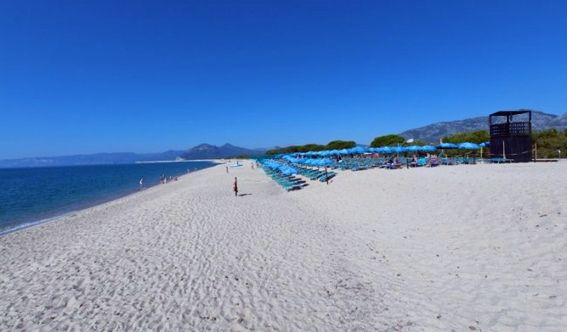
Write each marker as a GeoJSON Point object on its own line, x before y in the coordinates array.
{"type": "Point", "coordinates": [226, 169]}
{"type": "Point", "coordinates": [142, 183]}
{"type": "Point", "coordinates": [235, 187]}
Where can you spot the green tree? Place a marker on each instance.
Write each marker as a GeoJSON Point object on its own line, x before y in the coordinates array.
{"type": "Point", "coordinates": [387, 140]}
{"type": "Point", "coordinates": [477, 137]}
{"type": "Point", "coordinates": [312, 147]}
{"type": "Point", "coordinates": [337, 145]}
{"type": "Point", "coordinates": [547, 142]}
{"type": "Point", "coordinates": [419, 142]}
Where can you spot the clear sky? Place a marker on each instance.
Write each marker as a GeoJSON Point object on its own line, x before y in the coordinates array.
{"type": "Point", "coordinates": [146, 76]}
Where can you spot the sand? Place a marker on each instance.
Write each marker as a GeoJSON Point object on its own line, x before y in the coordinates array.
{"type": "Point", "coordinates": [480, 247]}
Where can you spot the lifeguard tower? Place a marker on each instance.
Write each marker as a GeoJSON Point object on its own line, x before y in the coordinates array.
{"type": "Point", "coordinates": [511, 135]}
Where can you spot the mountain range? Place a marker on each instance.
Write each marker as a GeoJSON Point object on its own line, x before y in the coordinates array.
{"type": "Point", "coordinates": [208, 151]}
{"type": "Point", "coordinates": [435, 131]}
{"type": "Point", "coordinates": [202, 151]}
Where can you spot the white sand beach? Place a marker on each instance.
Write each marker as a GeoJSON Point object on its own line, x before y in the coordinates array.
{"type": "Point", "coordinates": [477, 247]}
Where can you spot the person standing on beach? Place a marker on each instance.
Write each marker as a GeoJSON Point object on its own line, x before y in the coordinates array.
{"type": "Point", "coordinates": [142, 183]}
{"type": "Point", "coordinates": [235, 187]}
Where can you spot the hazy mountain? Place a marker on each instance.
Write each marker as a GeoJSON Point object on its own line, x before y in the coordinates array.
{"type": "Point", "coordinates": [208, 151]}
{"type": "Point", "coordinates": [433, 132]}
{"type": "Point", "coordinates": [90, 159]}
{"type": "Point", "coordinates": [203, 151]}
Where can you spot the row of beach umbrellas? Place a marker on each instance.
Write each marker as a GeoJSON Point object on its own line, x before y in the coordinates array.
{"type": "Point", "coordinates": [284, 169]}
{"type": "Point", "coordinates": [308, 162]}
{"type": "Point", "coordinates": [393, 149]}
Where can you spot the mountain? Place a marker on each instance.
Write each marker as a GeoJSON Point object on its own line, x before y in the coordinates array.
{"type": "Point", "coordinates": [203, 151]}
{"type": "Point", "coordinates": [208, 151]}
{"type": "Point", "coordinates": [90, 159]}
{"type": "Point", "coordinates": [433, 132]}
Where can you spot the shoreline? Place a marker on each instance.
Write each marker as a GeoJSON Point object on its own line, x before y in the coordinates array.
{"type": "Point", "coordinates": [86, 206]}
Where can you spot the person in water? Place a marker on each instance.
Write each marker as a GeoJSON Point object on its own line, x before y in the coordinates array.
{"type": "Point", "coordinates": [235, 187]}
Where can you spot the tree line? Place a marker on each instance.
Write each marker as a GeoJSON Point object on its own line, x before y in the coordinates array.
{"type": "Point", "coordinates": [548, 142]}
{"type": "Point", "coordinates": [332, 145]}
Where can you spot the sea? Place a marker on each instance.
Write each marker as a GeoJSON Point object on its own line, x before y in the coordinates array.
{"type": "Point", "coordinates": [29, 196]}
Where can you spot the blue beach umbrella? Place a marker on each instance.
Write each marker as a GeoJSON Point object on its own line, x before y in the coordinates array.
{"type": "Point", "coordinates": [397, 149]}
{"type": "Point", "coordinates": [428, 148]}
{"type": "Point", "coordinates": [288, 170]}
{"type": "Point", "coordinates": [413, 148]}
{"type": "Point", "coordinates": [468, 146]}
{"type": "Point", "coordinates": [483, 145]}
{"type": "Point", "coordinates": [359, 149]}
{"type": "Point", "coordinates": [326, 162]}
{"type": "Point", "coordinates": [447, 146]}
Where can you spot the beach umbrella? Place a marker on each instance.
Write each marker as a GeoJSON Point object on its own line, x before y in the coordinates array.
{"type": "Point", "coordinates": [397, 149]}
{"type": "Point", "coordinates": [358, 149]}
{"type": "Point", "coordinates": [428, 148]}
{"type": "Point", "coordinates": [325, 162]}
{"type": "Point", "coordinates": [288, 170]}
{"type": "Point", "coordinates": [468, 146]}
{"type": "Point", "coordinates": [413, 148]}
{"type": "Point", "coordinates": [483, 145]}
{"type": "Point", "coordinates": [447, 146]}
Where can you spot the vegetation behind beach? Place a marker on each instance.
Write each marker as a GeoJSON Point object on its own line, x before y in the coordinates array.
{"type": "Point", "coordinates": [548, 142]}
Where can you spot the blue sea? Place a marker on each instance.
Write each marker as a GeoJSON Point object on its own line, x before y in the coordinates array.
{"type": "Point", "coordinates": [32, 195]}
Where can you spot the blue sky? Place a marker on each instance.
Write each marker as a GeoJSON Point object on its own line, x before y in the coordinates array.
{"type": "Point", "coordinates": [84, 77]}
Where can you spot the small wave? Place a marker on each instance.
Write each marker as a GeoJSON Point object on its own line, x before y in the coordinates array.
{"type": "Point", "coordinates": [11, 229]}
